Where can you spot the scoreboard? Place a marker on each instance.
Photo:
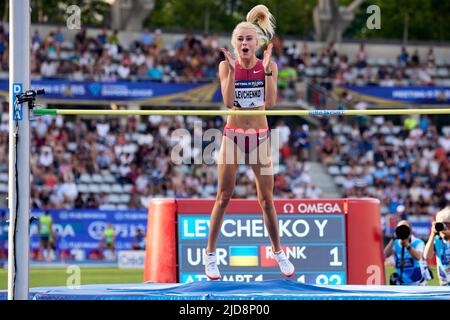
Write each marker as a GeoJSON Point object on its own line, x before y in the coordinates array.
{"type": "Point", "coordinates": [328, 241]}
{"type": "Point", "coordinates": [315, 244]}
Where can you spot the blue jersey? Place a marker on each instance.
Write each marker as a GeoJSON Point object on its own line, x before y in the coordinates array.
{"type": "Point", "coordinates": [140, 240]}
{"type": "Point", "coordinates": [413, 269]}
{"type": "Point", "coordinates": [4, 230]}
{"type": "Point", "coordinates": [442, 249]}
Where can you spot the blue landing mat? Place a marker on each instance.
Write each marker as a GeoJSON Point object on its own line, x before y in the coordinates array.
{"type": "Point", "coordinates": [223, 290]}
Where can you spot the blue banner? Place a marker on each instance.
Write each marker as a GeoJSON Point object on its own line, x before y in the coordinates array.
{"type": "Point", "coordinates": [122, 90]}
{"type": "Point", "coordinates": [83, 229]}
{"type": "Point", "coordinates": [421, 226]}
{"type": "Point", "coordinates": [402, 95]}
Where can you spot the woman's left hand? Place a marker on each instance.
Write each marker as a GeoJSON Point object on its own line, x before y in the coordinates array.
{"type": "Point", "coordinates": [267, 58]}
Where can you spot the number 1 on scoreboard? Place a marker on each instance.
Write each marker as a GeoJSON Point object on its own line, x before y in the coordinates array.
{"type": "Point", "coordinates": [335, 254]}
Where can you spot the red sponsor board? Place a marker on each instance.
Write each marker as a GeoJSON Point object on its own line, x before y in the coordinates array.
{"type": "Point", "coordinates": [363, 245]}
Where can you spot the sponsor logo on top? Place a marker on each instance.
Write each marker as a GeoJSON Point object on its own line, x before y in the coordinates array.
{"type": "Point", "coordinates": [314, 208]}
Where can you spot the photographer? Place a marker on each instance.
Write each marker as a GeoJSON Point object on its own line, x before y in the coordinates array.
{"type": "Point", "coordinates": [439, 243]}
{"type": "Point", "coordinates": [408, 251]}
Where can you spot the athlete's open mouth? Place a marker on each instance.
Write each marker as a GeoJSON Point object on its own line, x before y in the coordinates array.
{"type": "Point", "coordinates": [245, 50]}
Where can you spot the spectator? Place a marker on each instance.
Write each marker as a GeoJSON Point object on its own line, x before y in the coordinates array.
{"type": "Point", "coordinates": [79, 203]}
{"type": "Point", "coordinates": [313, 192]}
{"type": "Point", "coordinates": [444, 141]}
{"type": "Point", "coordinates": [139, 240]}
{"type": "Point", "coordinates": [59, 36]}
{"type": "Point", "coordinates": [4, 226]}
{"type": "Point", "coordinates": [48, 69]}
{"type": "Point", "coordinates": [81, 39]}
{"type": "Point", "coordinates": [411, 267]}
{"type": "Point", "coordinates": [328, 152]}
{"type": "Point", "coordinates": [69, 190]}
{"type": "Point", "coordinates": [415, 60]}
{"type": "Point", "coordinates": [92, 202]}
{"type": "Point", "coordinates": [421, 76]}
{"type": "Point", "coordinates": [348, 184]}
{"type": "Point", "coordinates": [404, 57]}
{"type": "Point", "coordinates": [362, 57]}
{"type": "Point", "coordinates": [108, 242]}
{"type": "Point", "coordinates": [123, 71]}
{"type": "Point", "coordinates": [286, 81]}
{"type": "Point", "coordinates": [431, 59]}
{"type": "Point", "coordinates": [439, 244]}
{"type": "Point", "coordinates": [410, 123]}
{"type": "Point", "coordinates": [300, 138]}
{"type": "Point", "coordinates": [284, 131]}
{"type": "Point", "coordinates": [159, 42]}
{"type": "Point", "coordinates": [114, 38]}
{"type": "Point", "coordinates": [306, 54]}
{"type": "Point", "coordinates": [102, 37]}
{"type": "Point", "coordinates": [146, 38]}
{"type": "Point", "coordinates": [45, 233]}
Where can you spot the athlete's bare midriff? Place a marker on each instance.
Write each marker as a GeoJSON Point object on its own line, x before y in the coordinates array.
{"type": "Point", "coordinates": [248, 122]}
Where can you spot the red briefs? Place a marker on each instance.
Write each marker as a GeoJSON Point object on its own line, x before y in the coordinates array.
{"type": "Point", "coordinates": [247, 140]}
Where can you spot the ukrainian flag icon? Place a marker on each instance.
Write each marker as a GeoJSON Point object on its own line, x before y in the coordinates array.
{"type": "Point", "coordinates": [244, 256]}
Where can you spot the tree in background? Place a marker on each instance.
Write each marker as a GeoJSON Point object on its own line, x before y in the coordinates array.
{"type": "Point", "coordinates": [420, 19]}
{"type": "Point", "coordinates": [400, 19]}
{"type": "Point", "coordinates": [404, 19]}
{"type": "Point", "coordinates": [293, 17]}
{"type": "Point", "coordinates": [93, 12]}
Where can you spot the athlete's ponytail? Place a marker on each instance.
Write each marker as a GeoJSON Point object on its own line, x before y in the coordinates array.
{"type": "Point", "coordinates": [262, 21]}
{"type": "Point", "coordinates": [265, 22]}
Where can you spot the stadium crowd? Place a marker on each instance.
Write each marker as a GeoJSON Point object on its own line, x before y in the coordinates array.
{"type": "Point", "coordinates": [406, 166]}
{"type": "Point", "coordinates": [191, 59]}
{"type": "Point", "coordinates": [104, 58]}
{"type": "Point", "coordinates": [138, 153]}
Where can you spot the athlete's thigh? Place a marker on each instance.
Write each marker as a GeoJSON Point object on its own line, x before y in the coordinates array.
{"type": "Point", "coordinates": [260, 160]}
{"type": "Point", "coordinates": [230, 152]}
{"type": "Point", "coordinates": [227, 165]}
{"type": "Point", "coordinates": [260, 155]}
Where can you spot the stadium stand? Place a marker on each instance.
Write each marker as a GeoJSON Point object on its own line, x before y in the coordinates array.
{"type": "Point", "coordinates": [113, 163]}
{"type": "Point", "coordinates": [402, 165]}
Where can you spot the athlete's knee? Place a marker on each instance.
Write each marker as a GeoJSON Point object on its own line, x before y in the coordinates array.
{"type": "Point", "coordinates": [266, 202]}
{"type": "Point", "coordinates": [223, 198]}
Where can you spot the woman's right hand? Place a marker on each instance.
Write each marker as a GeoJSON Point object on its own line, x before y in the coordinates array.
{"type": "Point", "coordinates": [229, 58]}
{"type": "Point", "coordinates": [433, 232]}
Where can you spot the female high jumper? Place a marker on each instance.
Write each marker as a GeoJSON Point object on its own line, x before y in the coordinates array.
{"type": "Point", "coordinates": [247, 83]}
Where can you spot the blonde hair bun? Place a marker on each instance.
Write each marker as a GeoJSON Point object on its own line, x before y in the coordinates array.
{"type": "Point", "coordinates": [261, 16]}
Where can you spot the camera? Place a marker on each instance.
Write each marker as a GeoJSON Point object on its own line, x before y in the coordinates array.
{"type": "Point", "coordinates": [394, 279]}
{"type": "Point", "coordinates": [29, 96]}
{"type": "Point", "coordinates": [402, 232]}
{"type": "Point", "coordinates": [439, 226]}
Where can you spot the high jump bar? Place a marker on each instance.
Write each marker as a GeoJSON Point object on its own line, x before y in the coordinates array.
{"type": "Point", "coordinates": [41, 112]}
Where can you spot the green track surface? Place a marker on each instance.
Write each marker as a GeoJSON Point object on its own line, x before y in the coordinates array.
{"type": "Point", "coordinates": [433, 282]}
{"type": "Point", "coordinates": [42, 277]}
